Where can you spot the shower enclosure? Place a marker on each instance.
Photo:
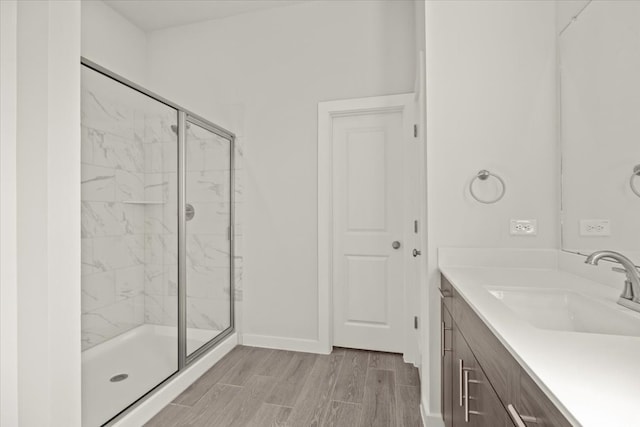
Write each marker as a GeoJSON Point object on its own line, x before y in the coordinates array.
{"type": "Point", "coordinates": [157, 241]}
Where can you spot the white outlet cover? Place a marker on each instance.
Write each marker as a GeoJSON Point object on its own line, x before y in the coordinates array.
{"type": "Point", "coordinates": [523, 227]}
{"type": "Point", "coordinates": [595, 227]}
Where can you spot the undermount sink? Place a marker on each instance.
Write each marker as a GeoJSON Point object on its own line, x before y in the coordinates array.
{"type": "Point", "coordinates": [564, 310]}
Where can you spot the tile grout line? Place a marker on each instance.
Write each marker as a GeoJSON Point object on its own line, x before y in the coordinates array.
{"type": "Point", "coordinates": [217, 382]}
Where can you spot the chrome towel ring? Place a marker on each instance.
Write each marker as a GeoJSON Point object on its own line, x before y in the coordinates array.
{"type": "Point", "coordinates": [632, 181]}
{"type": "Point", "coordinates": [483, 175]}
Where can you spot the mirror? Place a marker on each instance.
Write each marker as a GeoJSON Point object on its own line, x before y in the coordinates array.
{"type": "Point", "coordinates": [599, 59]}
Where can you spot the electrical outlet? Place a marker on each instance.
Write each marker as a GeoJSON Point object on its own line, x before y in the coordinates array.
{"type": "Point", "coordinates": [524, 227]}
{"type": "Point", "coordinates": [595, 227]}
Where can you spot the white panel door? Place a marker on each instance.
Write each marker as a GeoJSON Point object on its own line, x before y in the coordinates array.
{"type": "Point", "coordinates": [368, 280]}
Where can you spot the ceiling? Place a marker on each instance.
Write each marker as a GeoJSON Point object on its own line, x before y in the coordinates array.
{"type": "Point", "coordinates": [150, 15]}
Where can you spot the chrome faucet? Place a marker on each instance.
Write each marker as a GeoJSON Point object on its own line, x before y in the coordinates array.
{"type": "Point", "coordinates": [630, 296]}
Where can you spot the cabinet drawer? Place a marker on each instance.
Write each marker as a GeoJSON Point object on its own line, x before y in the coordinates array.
{"type": "Point", "coordinates": [446, 351]}
{"type": "Point", "coordinates": [446, 293]}
{"type": "Point", "coordinates": [533, 403]}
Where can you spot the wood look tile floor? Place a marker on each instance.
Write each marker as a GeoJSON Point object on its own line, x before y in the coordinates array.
{"type": "Point", "coordinates": [260, 387]}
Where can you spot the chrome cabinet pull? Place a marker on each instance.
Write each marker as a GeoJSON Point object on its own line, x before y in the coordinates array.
{"type": "Point", "coordinates": [520, 420]}
{"type": "Point", "coordinates": [442, 337]}
{"type": "Point", "coordinates": [460, 380]}
{"type": "Point", "coordinates": [461, 371]}
{"type": "Point", "coordinates": [467, 411]}
{"type": "Point", "coordinates": [444, 293]}
{"type": "Point", "coordinates": [466, 396]}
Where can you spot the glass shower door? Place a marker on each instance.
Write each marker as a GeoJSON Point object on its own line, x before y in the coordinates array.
{"type": "Point", "coordinates": [129, 225]}
{"type": "Point", "coordinates": [208, 230]}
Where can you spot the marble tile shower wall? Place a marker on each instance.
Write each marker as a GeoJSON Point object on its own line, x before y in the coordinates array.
{"type": "Point", "coordinates": [208, 264]}
{"type": "Point", "coordinates": [129, 250]}
{"type": "Point", "coordinates": [113, 239]}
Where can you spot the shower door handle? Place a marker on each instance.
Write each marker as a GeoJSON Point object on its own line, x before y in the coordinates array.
{"type": "Point", "coordinates": [189, 212]}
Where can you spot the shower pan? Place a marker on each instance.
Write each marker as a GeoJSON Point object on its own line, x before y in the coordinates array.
{"type": "Point", "coordinates": [157, 241]}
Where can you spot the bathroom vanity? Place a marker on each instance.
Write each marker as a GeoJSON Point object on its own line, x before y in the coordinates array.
{"type": "Point", "coordinates": [482, 384]}
{"type": "Point", "coordinates": [535, 338]}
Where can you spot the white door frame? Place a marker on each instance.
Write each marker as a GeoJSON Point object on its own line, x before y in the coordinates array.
{"type": "Point", "coordinates": [406, 104]}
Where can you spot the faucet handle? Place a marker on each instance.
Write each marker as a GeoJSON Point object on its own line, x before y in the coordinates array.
{"type": "Point", "coordinates": [627, 293]}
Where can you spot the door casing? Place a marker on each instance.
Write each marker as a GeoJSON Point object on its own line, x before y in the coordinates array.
{"type": "Point", "coordinates": [327, 111]}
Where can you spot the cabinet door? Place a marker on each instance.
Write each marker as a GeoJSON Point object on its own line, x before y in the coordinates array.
{"type": "Point", "coordinates": [481, 406]}
{"type": "Point", "coordinates": [533, 408]}
{"type": "Point", "coordinates": [485, 408]}
{"type": "Point", "coordinates": [446, 352]}
{"type": "Point", "coordinates": [463, 360]}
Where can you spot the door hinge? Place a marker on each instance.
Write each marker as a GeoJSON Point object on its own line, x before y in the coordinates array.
{"type": "Point", "coordinates": [415, 226]}
{"type": "Point", "coordinates": [415, 131]}
{"type": "Point", "coordinates": [415, 322]}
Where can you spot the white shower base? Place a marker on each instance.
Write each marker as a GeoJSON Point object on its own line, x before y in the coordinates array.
{"type": "Point", "coordinates": [148, 354]}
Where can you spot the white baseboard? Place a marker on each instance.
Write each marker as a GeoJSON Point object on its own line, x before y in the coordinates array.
{"type": "Point", "coordinates": [165, 395]}
{"type": "Point", "coordinates": [284, 343]}
{"type": "Point", "coordinates": [430, 420]}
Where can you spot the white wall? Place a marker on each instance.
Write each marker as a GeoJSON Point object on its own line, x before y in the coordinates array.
{"type": "Point", "coordinates": [490, 104]}
{"type": "Point", "coordinates": [110, 40]}
{"type": "Point", "coordinates": [8, 214]}
{"type": "Point", "coordinates": [40, 257]}
{"type": "Point", "coordinates": [275, 66]}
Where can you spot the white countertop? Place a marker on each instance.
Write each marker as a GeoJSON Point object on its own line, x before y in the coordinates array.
{"type": "Point", "coordinates": [593, 379]}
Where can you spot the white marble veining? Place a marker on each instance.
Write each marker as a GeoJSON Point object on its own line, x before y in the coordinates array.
{"type": "Point", "coordinates": [98, 183]}
{"type": "Point", "coordinates": [591, 377]}
{"type": "Point", "coordinates": [106, 322]}
{"type": "Point", "coordinates": [98, 290]}
{"type": "Point", "coordinates": [129, 251]}
{"type": "Point", "coordinates": [116, 152]}
{"type": "Point", "coordinates": [211, 218]}
{"type": "Point", "coordinates": [208, 186]}
{"type": "Point", "coordinates": [100, 219]}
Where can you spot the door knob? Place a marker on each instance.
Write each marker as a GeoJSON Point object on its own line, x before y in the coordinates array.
{"type": "Point", "coordinates": [416, 253]}
{"type": "Point", "coordinates": [395, 245]}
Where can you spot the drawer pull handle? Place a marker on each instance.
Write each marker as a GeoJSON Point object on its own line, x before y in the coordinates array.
{"type": "Point", "coordinates": [460, 370]}
{"type": "Point", "coordinates": [461, 373]}
{"type": "Point", "coordinates": [442, 331]}
{"type": "Point", "coordinates": [467, 398]}
{"type": "Point", "coordinates": [520, 420]}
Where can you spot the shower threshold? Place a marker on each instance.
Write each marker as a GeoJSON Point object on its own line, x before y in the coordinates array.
{"type": "Point", "coordinates": [146, 355]}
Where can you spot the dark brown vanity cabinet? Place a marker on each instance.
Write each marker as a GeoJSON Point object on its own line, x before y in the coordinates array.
{"type": "Point", "coordinates": [446, 338]}
{"type": "Point", "coordinates": [482, 384]}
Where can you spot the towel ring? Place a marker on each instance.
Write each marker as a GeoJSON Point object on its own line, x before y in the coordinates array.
{"type": "Point", "coordinates": [632, 181]}
{"type": "Point", "coordinates": [484, 174]}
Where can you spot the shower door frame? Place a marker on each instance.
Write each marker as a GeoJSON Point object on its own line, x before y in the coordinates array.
{"type": "Point", "coordinates": [185, 116]}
